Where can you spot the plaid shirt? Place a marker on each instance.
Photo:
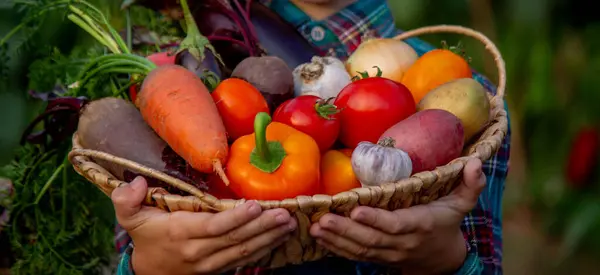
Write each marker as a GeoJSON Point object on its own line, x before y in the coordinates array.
{"type": "Point", "coordinates": [482, 228]}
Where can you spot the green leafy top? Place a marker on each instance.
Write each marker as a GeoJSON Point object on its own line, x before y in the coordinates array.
{"type": "Point", "coordinates": [458, 49]}
{"type": "Point", "coordinates": [365, 74]}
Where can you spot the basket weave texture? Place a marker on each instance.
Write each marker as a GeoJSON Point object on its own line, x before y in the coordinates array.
{"type": "Point", "coordinates": [420, 188]}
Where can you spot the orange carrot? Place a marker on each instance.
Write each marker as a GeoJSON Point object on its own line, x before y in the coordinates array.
{"type": "Point", "coordinates": [179, 107]}
{"type": "Point", "coordinates": [173, 101]}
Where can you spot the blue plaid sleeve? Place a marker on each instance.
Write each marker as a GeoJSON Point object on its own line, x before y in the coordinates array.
{"type": "Point", "coordinates": [471, 266]}
{"type": "Point", "coordinates": [124, 267]}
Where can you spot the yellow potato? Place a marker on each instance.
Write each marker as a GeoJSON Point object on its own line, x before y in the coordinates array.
{"type": "Point", "coordinates": [466, 99]}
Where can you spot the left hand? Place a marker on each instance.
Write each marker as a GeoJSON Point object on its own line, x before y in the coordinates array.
{"type": "Point", "coordinates": [424, 239]}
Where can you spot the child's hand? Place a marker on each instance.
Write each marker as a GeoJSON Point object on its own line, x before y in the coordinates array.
{"type": "Point", "coordinates": [197, 243]}
{"type": "Point", "coordinates": [424, 239]}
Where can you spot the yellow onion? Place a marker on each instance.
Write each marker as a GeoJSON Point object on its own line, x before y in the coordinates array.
{"type": "Point", "coordinates": [392, 56]}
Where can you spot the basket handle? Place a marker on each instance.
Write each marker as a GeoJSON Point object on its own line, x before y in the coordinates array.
{"type": "Point", "coordinates": [208, 200]}
{"type": "Point", "coordinates": [489, 46]}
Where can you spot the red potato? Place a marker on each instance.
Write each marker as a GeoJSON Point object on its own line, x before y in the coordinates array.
{"type": "Point", "coordinates": [431, 138]}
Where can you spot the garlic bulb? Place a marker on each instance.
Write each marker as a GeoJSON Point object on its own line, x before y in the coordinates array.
{"type": "Point", "coordinates": [324, 77]}
{"type": "Point", "coordinates": [380, 163]}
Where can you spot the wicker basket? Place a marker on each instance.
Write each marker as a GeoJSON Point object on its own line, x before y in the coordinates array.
{"type": "Point", "coordinates": [420, 188]}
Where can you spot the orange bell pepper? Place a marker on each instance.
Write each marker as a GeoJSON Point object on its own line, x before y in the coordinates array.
{"type": "Point", "coordinates": [274, 163]}
{"type": "Point", "coordinates": [336, 172]}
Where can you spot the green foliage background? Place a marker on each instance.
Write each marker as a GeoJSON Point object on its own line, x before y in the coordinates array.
{"type": "Point", "coordinates": [552, 65]}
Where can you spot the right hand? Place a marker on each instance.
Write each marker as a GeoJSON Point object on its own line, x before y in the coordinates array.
{"type": "Point", "coordinates": [184, 242]}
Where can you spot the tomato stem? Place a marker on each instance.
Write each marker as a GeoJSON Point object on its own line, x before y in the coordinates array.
{"type": "Point", "coordinates": [325, 109]}
{"type": "Point", "coordinates": [267, 156]}
{"type": "Point", "coordinates": [365, 74]}
{"type": "Point", "coordinates": [210, 79]}
{"type": "Point", "coordinates": [459, 50]}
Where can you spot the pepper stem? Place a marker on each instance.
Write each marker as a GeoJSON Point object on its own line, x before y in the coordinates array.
{"type": "Point", "coordinates": [267, 156]}
{"type": "Point", "coordinates": [387, 142]}
{"type": "Point", "coordinates": [261, 121]}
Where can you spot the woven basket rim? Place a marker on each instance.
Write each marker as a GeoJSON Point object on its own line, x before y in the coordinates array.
{"type": "Point", "coordinates": [484, 148]}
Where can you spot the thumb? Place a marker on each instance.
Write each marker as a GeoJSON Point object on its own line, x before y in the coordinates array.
{"type": "Point", "coordinates": [468, 191]}
{"type": "Point", "coordinates": [127, 200]}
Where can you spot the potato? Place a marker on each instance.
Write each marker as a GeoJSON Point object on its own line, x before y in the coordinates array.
{"type": "Point", "coordinates": [115, 126]}
{"type": "Point", "coordinates": [431, 138]}
{"type": "Point", "coordinates": [466, 99]}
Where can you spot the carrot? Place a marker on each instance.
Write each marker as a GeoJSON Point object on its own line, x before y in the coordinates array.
{"type": "Point", "coordinates": [173, 101]}
{"type": "Point", "coordinates": [178, 106]}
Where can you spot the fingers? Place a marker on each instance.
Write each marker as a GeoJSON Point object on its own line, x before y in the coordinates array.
{"type": "Point", "coordinates": [402, 221]}
{"type": "Point", "coordinates": [128, 199]}
{"type": "Point", "coordinates": [226, 221]}
{"type": "Point", "coordinates": [376, 255]}
{"type": "Point", "coordinates": [346, 228]}
{"type": "Point", "coordinates": [256, 256]}
{"type": "Point", "coordinates": [470, 188]}
{"type": "Point", "coordinates": [246, 249]}
{"type": "Point", "coordinates": [266, 221]}
{"type": "Point", "coordinates": [340, 252]}
{"type": "Point", "coordinates": [349, 245]}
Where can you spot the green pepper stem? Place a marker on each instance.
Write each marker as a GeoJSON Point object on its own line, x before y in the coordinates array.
{"type": "Point", "coordinates": [267, 156]}
{"type": "Point", "coordinates": [261, 121]}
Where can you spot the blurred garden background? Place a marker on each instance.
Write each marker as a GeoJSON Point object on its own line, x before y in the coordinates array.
{"type": "Point", "coordinates": [62, 224]}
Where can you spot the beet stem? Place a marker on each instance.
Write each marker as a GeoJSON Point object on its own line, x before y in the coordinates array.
{"type": "Point", "coordinates": [237, 21]}
{"type": "Point", "coordinates": [225, 38]}
{"type": "Point", "coordinates": [245, 16]}
{"type": "Point", "coordinates": [44, 116]}
{"type": "Point", "coordinates": [248, 5]}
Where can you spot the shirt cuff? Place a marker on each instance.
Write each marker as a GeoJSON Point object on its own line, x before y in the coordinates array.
{"type": "Point", "coordinates": [125, 267]}
{"type": "Point", "coordinates": [471, 266]}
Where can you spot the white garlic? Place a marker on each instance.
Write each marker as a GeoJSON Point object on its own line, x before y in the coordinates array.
{"type": "Point", "coordinates": [324, 77]}
{"type": "Point", "coordinates": [380, 163]}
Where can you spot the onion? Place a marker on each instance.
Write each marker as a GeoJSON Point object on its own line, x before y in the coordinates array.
{"type": "Point", "coordinates": [376, 164]}
{"type": "Point", "coordinates": [392, 56]}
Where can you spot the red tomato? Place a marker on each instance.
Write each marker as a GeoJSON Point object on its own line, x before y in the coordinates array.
{"type": "Point", "coordinates": [369, 106]}
{"type": "Point", "coordinates": [238, 103]}
{"type": "Point", "coordinates": [312, 116]}
{"type": "Point", "coordinates": [160, 59]}
{"type": "Point", "coordinates": [583, 157]}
